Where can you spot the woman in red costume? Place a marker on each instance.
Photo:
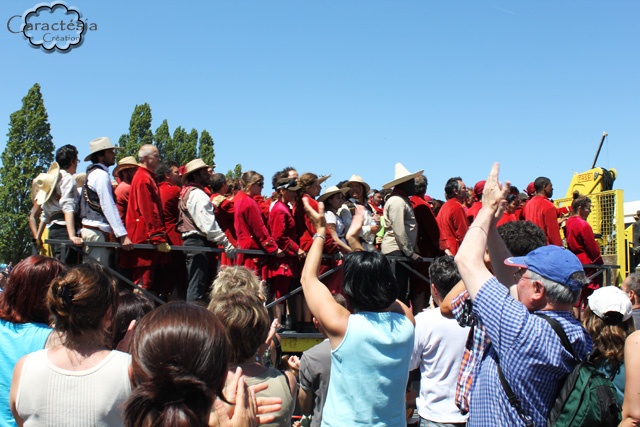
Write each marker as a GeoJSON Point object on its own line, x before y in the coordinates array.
{"type": "Point", "coordinates": [250, 226]}
{"type": "Point", "coordinates": [582, 242]}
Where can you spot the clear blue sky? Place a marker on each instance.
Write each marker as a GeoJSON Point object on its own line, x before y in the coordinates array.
{"type": "Point", "coordinates": [348, 86]}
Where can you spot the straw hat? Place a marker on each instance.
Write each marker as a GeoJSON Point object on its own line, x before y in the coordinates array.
{"type": "Point", "coordinates": [323, 179]}
{"type": "Point", "coordinates": [193, 166]}
{"type": "Point", "coordinates": [80, 178]}
{"type": "Point", "coordinates": [125, 163]}
{"type": "Point", "coordinates": [46, 183]}
{"type": "Point", "coordinates": [99, 144]}
{"type": "Point", "coordinates": [401, 175]}
{"type": "Point", "coordinates": [358, 179]}
{"type": "Point", "coordinates": [331, 191]}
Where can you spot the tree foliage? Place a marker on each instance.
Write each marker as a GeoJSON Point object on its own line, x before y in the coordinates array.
{"type": "Point", "coordinates": [236, 172]}
{"type": "Point", "coordinates": [179, 138]}
{"type": "Point", "coordinates": [29, 152]}
{"type": "Point", "coordinates": [139, 131]}
{"type": "Point", "coordinates": [163, 141]}
{"type": "Point", "coordinates": [190, 146]}
{"type": "Point", "coordinates": [206, 148]}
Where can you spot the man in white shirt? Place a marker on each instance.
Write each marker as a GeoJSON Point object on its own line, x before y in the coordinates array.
{"type": "Point", "coordinates": [437, 351]}
{"type": "Point", "coordinates": [58, 203]}
{"type": "Point", "coordinates": [197, 225]}
{"type": "Point", "coordinates": [100, 218]}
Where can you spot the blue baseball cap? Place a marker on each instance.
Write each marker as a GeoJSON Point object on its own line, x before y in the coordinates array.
{"type": "Point", "coordinates": [552, 262]}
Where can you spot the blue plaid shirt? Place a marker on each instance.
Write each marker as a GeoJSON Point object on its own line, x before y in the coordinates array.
{"type": "Point", "coordinates": [532, 358]}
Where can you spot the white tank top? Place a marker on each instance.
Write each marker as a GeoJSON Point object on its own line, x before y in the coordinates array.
{"type": "Point", "coordinates": [51, 396]}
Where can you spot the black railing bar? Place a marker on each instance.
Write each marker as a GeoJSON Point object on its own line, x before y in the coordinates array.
{"type": "Point", "coordinates": [299, 288]}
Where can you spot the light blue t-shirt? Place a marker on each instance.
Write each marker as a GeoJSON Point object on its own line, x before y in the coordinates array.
{"type": "Point", "coordinates": [16, 340]}
{"type": "Point", "coordinates": [369, 372]}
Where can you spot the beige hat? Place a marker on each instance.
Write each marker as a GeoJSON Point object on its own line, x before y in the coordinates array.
{"type": "Point", "coordinates": [125, 163]}
{"type": "Point", "coordinates": [100, 144]}
{"type": "Point", "coordinates": [80, 178]}
{"type": "Point", "coordinates": [46, 183]}
{"type": "Point", "coordinates": [323, 179]}
{"type": "Point", "coordinates": [358, 179]}
{"type": "Point", "coordinates": [331, 191]}
{"type": "Point", "coordinates": [193, 166]}
{"type": "Point", "coordinates": [402, 174]}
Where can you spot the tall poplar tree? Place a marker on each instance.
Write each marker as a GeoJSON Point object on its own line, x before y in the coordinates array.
{"type": "Point", "coordinates": [179, 138]}
{"type": "Point", "coordinates": [205, 151]}
{"type": "Point", "coordinates": [190, 146]}
{"type": "Point", "coordinates": [164, 143]}
{"type": "Point", "coordinates": [236, 172]}
{"type": "Point", "coordinates": [29, 152]}
{"type": "Point", "coordinates": [139, 131]}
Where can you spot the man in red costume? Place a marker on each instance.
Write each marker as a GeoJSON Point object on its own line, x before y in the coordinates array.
{"type": "Point", "coordinates": [542, 212]}
{"type": "Point", "coordinates": [145, 220]}
{"type": "Point", "coordinates": [375, 201]}
{"type": "Point", "coordinates": [452, 219]}
{"type": "Point", "coordinates": [225, 211]}
{"type": "Point", "coordinates": [427, 244]}
{"type": "Point", "coordinates": [170, 277]}
{"type": "Point", "coordinates": [477, 204]}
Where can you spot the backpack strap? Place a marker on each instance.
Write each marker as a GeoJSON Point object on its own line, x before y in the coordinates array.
{"type": "Point", "coordinates": [513, 399]}
{"type": "Point", "coordinates": [557, 327]}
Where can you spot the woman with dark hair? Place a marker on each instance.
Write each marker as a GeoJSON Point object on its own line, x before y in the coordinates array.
{"type": "Point", "coordinates": [82, 302]}
{"type": "Point", "coordinates": [372, 347]}
{"type": "Point", "coordinates": [609, 322]}
{"type": "Point", "coordinates": [179, 364]}
{"type": "Point", "coordinates": [132, 306]}
{"type": "Point", "coordinates": [246, 321]}
{"type": "Point", "coordinates": [510, 211]}
{"type": "Point", "coordinates": [251, 228]}
{"type": "Point", "coordinates": [582, 242]}
{"type": "Point", "coordinates": [24, 319]}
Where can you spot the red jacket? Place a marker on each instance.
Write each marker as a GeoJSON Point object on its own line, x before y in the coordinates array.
{"type": "Point", "coordinates": [542, 212]}
{"type": "Point", "coordinates": [250, 226]}
{"type": "Point", "coordinates": [145, 220]}
{"type": "Point", "coordinates": [582, 242]}
{"type": "Point", "coordinates": [305, 229]}
{"type": "Point", "coordinates": [453, 224]}
{"type": "Point", "coordinates": [428, 242]}
{"type": "Point", "coordinates": [472, 213]}
{"type": "Point", "coordinates": [507, 217]}
{"type": "Point", "coordinates": [283, 230]}
{"type": "Point", "coordinates": [225, 215]}
{"type": "Point", "coordinates": [264, 206]}
{"type": "Point", "coordinates": [121, 196]}
{"type": "Point", "coordinates": [170, 198]}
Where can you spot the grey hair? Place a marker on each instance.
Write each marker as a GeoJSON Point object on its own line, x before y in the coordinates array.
{"type": "Point", "coordinates": [633, 280]}
{"type": "Point", "coordinates": [557, 293]}
{"type": "Point", "coordinates": [145, 151]}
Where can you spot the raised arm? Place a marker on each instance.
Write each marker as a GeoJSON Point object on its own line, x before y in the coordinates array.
{"type": "Point", "coordinates": [631, 405]}
{"type": "Point", "coordinates": [332, 316]}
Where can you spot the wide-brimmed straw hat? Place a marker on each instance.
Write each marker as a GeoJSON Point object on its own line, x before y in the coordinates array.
{"type": "Point", "coordinates": [46, 183]}
{"type": "Point", "coordinates": [331, 191]}
{"type": "Point", "coordinates": [100, 144]}
{"type": "Point", "coordinates": [193, 166]}
{"type": "Point", "coordinates": [80, 178]}
{"type": "Point", "coordinates": [125, 163]}
{"type": "Point", "coordinates": [359, 180]}
{"type": "Point", "coordinates": [290, 184]}
{"type": "Point", "coordinates": [402, 174]}
{"type": "Point", "coordinates": [323, 179]}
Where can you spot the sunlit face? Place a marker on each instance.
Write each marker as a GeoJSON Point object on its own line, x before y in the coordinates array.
{"type": "Point", "coordinates": [109, 158]}
{"type": "Point", "coordinates": [173, 177]}
{"type": "Point", "coordinates": [513, 206]}
{"type": "Point", "coordinates": [356, 190]}
{"type": "Point", "coordinates": [256, 189]}
{"type": "Point", "coordinates": [314, 189]}
{"type": "Point", "coordinates": [153, 159]}
{"type": "Point", "coordinates": [548, 190]}
{"type": "Point", "coordinates": [463, 193]}
{"type": "Point", "coordinates": [376, 199]}
{"type": "Point", "coordinates": [288, 196]}
{"type": "Point", "coordinates": [584, 211]}
{"type": "Point", "coordinates": [293, 174]}
{"type": "Point", "coordinates": [336, 201]}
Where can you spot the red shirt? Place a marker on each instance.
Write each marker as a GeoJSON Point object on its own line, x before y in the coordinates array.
{"type": "Point", "coordinates": [453, 224]}
{"type": "Point", "coordinates": [225, 215]}
{"type": "Point", "coordinates": [507, 217]}
{"type": "Point", "coordinates": [428, 242]}
{"type": "Point", "coordinates": [121, 196]}
{"type": "Point", "coordinates": [472, 212]}
{"type": "Point", "coordinates": [170, 198]}
{"type": "Point", "coordinates": [264, 206]}
{"type": "Point", "coordinates": [542, 212]}
{"type": "Point", "coordinates": [305, 229]}
{"type": "Point", "coordinates": [582, 242]}
{"type": "Point", "coordinates": [250, 227]}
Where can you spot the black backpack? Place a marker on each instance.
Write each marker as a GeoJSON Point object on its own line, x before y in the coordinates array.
{"type": "Point", "coordinates": [587, 398]}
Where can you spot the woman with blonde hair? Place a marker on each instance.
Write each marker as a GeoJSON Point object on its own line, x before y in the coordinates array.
{"type": "Point", "coordinates": [83, 303]}
{"type": "Point", "coordinates": [250, 225]}
{"type": "Point", "coordinates": [235, 277]}
{"type": "Point", "coordinates": [246, 321]}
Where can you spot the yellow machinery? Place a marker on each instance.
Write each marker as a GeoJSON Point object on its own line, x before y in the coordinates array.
{"type": "Point", "coordinates": [607, 215]}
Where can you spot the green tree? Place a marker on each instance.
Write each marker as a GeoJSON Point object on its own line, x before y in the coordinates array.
{"type": "Point", "coordinates": [164, 143]}
{"type": "Point", "coordinates": [179, 138]}
{"type": "Point", "coordinates": [29, 152]}
{"type": "Point", "coordinates": [206, 152]}
{"type": "Point", "coordinates": [190, 146]}
{"type": "Point", "coordinates": [235, 173]}
{"type": "Point", "coordinates": [139, 131]}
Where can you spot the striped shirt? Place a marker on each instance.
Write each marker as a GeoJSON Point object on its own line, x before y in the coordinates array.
{"type": "Point", "coordinates": [532, 358]}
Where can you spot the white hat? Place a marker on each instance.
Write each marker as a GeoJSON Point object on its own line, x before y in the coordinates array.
{"type": "Point", "coordinates": [46, 183]}
{"type": "Point", "coordinates": [125, 163]}
{"type": "Point", "coordinates": [610, 299]}
{"type": "Point", "coordinates": [402, 174]}
{"type": "Point", "coordinates": [331, 191]}
{"type": "Point", "coordinates": [193, 166]}
{"type": "Point", "coordinates": [100, 144]}
{"type": "Point", "coordinates": [359, 180]}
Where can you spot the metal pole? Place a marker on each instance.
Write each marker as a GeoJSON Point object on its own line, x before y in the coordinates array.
{"type": "Point", "coordinates": [299, 288]}
{"type": "Point", "coordinates": [604, 135]}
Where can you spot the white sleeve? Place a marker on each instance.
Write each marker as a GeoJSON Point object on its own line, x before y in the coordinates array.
{"type": "Point", "coordinates": [201, 210]}
{"type": "Point", "coordinates": [418, 342]}
{"type": "Point", "coordinates": [107, 204]}
{"type": "Point", "coordinates": [68, 193]}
